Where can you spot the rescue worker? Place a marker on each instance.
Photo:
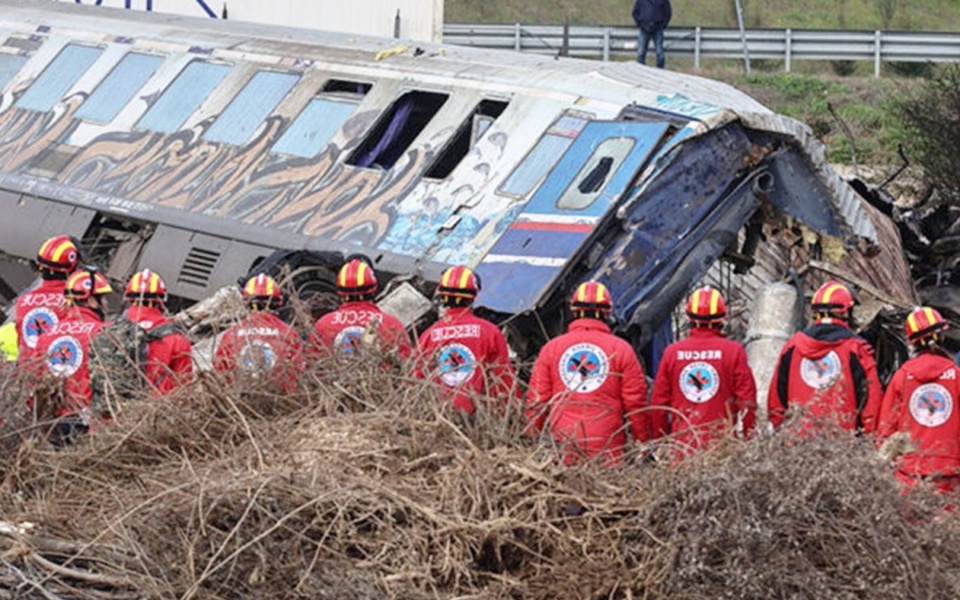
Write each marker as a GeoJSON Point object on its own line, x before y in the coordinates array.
{"type": "Point", "coordinates": [64, 350]}
{"type": "Point", "coordinates": [921, 402]}
{"type": "Point", "coordinates": [41, 308]}
{"type": "Point", "coordinates": [359, 322]}
{"type": "Point", "coordinates": [466, 355]}
{"type": "Point", "coordinates": [587, 382]}
{"type": "Point", "coordinates": [704, 384]}
{"type": "Point", "coordinates": [827, 370]}
{"type": "Point", "coordinates": [169, 352]}
{"type": "Point", "coordinates": [261, 343]}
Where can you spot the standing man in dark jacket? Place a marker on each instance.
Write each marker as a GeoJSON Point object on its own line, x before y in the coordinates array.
{"type": "Point", "coordinates": [652, 18]}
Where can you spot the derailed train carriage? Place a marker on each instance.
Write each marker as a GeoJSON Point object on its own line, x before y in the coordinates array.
{"type": "Point", "coordinates": [199, 147]}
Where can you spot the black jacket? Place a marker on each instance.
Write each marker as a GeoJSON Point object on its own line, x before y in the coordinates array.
{"type": "Point", "coordinates": [651, 15]}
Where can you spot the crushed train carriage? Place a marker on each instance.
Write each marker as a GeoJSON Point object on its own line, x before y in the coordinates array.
{"type": "Point", "coordinates": [198, 147]}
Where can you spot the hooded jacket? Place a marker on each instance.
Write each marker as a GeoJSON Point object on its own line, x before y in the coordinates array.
{"type": "Point", "coordinates": [585, 385]}
{"type": "Point", "coordinates": [921, 400]}
{"type": "Point", "coordinates": [703, 384]}
{"type": "Point", "coordinates": [468, 356]}
{"type": "Point", "coordinates": [830, 373]}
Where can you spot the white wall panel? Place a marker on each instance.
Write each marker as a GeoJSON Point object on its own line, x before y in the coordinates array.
{"type": "Point", "coordinates": [420, 20]}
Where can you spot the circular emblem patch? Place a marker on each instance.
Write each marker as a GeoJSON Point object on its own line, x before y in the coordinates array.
{"type": "Point", "coordinates": [820, 373]}
{"type": "Point", "coordinates": [584, 368]}
{"type": "Point", "coordinates": [699, 382]}
{"type": "Point", "coordinates": [457, 364]}
{"type": "Point", "coordinates": [349, 340]}
{"type": "Point", "coordinates": [257, 355]}
{"type": "Point", "coordinates": [37, 322]}
{"type": "Point", "coordinates": [64, 356]}
{"type": "Point", "coordinates": [931, 405]}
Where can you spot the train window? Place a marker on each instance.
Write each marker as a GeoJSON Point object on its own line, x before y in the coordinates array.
{"type": "Point", "coordinates": [313, 128]}
{"type": "Point", "coordinates": [183, 96]}
{"type": "Point", "coordinates": [250, 107]}
{"type": "Point", "coordinates": [119, 87]}
{"type": "Point", "coordinates": [72, 62]}
{"type": "Point", "coordinates": [397, 129]}
{"type": "Point", "coordinates": [543, 157]}
{"type": "Point", "coordinates": [586, 187]}
{"type": "Point", "coordinates": [10, 65]}
{"type": "Point", "coordinates": [346, 87]}
{"type": "Point", "coordinates": [471, 130]}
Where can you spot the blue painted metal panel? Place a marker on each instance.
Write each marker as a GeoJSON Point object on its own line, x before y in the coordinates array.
{"type": "Point", "coordinates": [72, 62]}
{"type": "Point", "coordinates": [514, 281]}
{"type": "Point", "coordinates": [118, 88]}
{"type": "Point", "coordinates": [251, 106]}
{"type": "Point", "coordinates": [183, 96]}
{"type": "Point", "coordinates": [311, 131]}
{"type": "Point", "coordinates": [10, 65]}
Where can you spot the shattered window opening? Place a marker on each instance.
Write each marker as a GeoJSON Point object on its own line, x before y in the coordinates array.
{"type": "Point", "coordinates": [119, 87]}
{"type": "Point", "coordinates": [347, 88]}
{"type": "Point", "coordinates": [467, 135]}
{"type": "Point", "coordinates": [59, 76]}
{"type": "Point", "coordinates": [397, 129]}
{"type": "Point", "coordinates": [586, 187]}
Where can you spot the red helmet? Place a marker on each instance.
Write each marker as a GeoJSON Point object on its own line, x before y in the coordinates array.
{"type": "Point", "coordinates": [145, 285]}
{"type": "Point", "coordinates": [459, 282]}
{"type": "Point", "coordinates": [591, 295]}
{"type": "Point", "coordinates": [262, 288]}
{"type": "Point", "coordinates": [706, 305]}
{"type": "Point", "coordinates": [833, 298]}
{"type": "Point", "coordinates": [923, 324]}
{"type": "Point", "coordinates": [356, 278]}
{"type": "Point", "coordinates": [85, 283]}
{"type": "Point", "coordinates": [59, 254]}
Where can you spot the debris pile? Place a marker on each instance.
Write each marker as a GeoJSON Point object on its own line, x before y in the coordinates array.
{"type": "Point", "coordinates": [368, 488]}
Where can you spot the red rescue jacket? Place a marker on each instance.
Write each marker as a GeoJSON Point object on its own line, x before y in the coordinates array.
{"type": "Point", "coordinates": [64, 351]}
{"type": "Point", "coordinates": [921, 400]}
{"type": "Point", "coordinates": [260, 343]}
{"type": "Point", "coordinates": [169, 359]}
{"type": "Point", "coordinates": [468, 356]}
{"type": "Point", "coordinates": [830, 372]}
{"type": "Point", "coordinates": [702, 385]}
{"type": "Point", "coordinates": [38, 311]}
{"type": "Point", "coordinates": [585, 384]}
{"type": "Point", "coordinates": [342, 330]}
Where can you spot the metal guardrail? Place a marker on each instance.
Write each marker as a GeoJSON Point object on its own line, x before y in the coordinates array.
{"type": "Point", "coordinates": [788, 45]}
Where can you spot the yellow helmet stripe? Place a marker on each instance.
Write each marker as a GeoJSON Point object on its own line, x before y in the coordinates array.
{"type": "Point", "coordinates": [714, 302]}
{"type": "Point", "coordinates": [61, 249]}
{"type": "Point", "coordinates": [829, 292]}
{"type": "Point", "coordinates": [600, 290]}
{"type": "Point", "coordinates": [929, 314]}
{"type": "Point", "coordinates": [912, 322]}
{"type": "Point", "coordinates": [361, 273]}
{"type": "Point", "coordinates": [464, 278]}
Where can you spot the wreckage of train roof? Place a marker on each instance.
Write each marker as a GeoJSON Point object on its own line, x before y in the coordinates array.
{"type": "Point", "coordinates": [197, 147]}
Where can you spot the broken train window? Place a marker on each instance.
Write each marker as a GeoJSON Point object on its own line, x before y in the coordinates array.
{"type": "Point", "coordinates": [397, 129]}
{"type": "Point", "coordinates": [466, 137]}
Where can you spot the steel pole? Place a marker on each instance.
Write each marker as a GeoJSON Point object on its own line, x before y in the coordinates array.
{"type": "Point", "coordinates": [743, 37]}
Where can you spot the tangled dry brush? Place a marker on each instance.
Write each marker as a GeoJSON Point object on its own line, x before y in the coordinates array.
{"type": "Point", "coordinates": [361, 486]}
